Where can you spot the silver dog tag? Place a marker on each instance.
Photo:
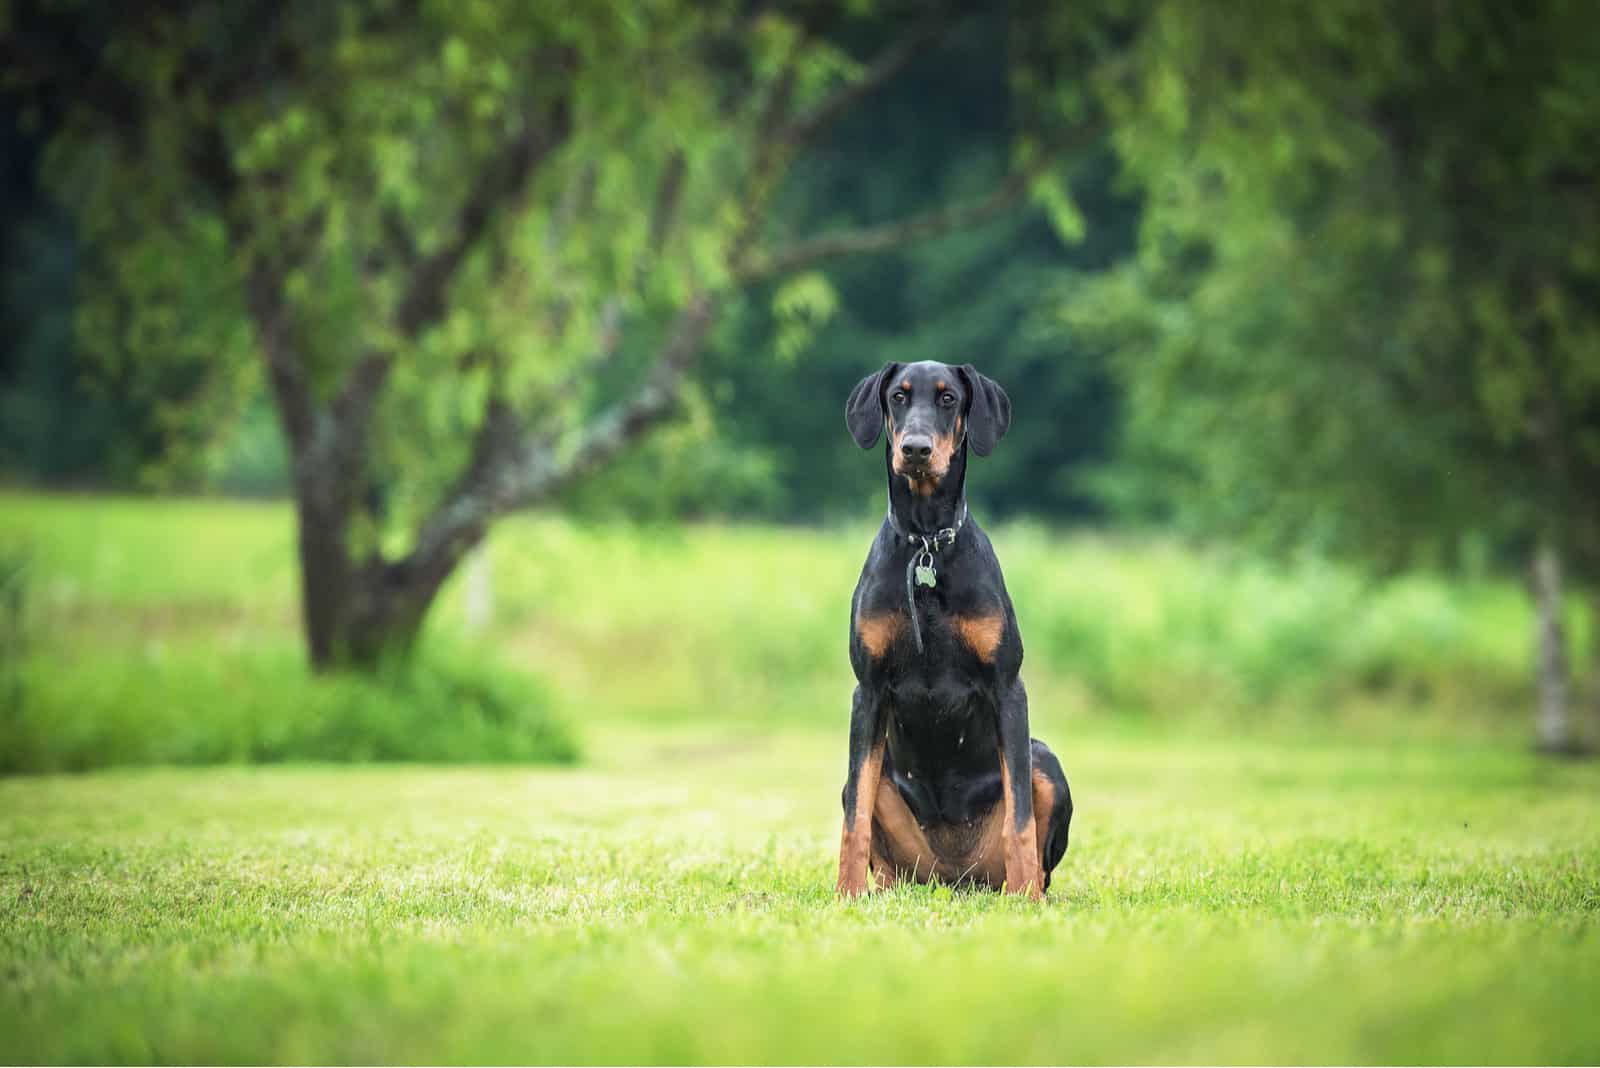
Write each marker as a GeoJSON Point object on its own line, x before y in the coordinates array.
{"type": "Point", "coordinates": [925, 575]}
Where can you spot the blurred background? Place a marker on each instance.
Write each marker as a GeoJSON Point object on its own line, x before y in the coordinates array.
{"type": "Point", "coordinates": [427, 381]}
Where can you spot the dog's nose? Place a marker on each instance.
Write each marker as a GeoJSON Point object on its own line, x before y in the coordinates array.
{"type": "Point", "coordinates": [916, 447]}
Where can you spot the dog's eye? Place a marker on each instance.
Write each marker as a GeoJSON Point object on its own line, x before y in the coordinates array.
{"type": "Point", "coordinates": [899, 397]}
{"type": "Point", "coordinates": [947, 398]}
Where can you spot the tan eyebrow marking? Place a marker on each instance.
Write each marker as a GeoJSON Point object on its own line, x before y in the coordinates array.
{"type": "Point", "coordinates": [939, 384]}
{"type": "Point", "coordinates": [905, 384]}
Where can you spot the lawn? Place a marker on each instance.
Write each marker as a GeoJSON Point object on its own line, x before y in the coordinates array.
{"type": "Point", "coordinates": [672, 902]}
{"type": "Point", "coordinates": [1309, 827]}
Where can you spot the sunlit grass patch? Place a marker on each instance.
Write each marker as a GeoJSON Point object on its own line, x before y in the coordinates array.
{"type": "Point", "coordinates": [672, 902]}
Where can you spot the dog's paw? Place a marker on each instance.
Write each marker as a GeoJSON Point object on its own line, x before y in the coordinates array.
{"type": "Point", "coordinates": [852, 885]}
{"type": "Point", "coordinates": [1026, 880]}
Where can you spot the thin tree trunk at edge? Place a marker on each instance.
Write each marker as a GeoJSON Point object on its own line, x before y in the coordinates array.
{"type": "Point", "coordinates": [1554, 717]}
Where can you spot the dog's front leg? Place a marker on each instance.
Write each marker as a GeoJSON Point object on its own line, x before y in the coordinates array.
{"type": "Point", "coordinates": [860, 793]}
{"type": "Point", "coordinates": [1019, 836]}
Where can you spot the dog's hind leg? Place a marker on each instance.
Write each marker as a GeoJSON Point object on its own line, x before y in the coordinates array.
{"type": "Point", "coordinates": [1019, 831]}
{"type": "Point", "coordinates": [1052, 808]}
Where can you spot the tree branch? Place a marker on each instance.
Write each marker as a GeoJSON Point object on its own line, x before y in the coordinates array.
{"type": "Point", "coordinates": [423, 302]}
{"type": "Point", "coordinates": [210, 163]}
{"type": "Point", "coordinates": [464, 514]}
{"type": "Point", "coordinates": [285, 373]}
{"type": "Point", "coordinates": [888, 63]}
{"type": "Point", "coordinates": [501, 181]}
{"type": "Point", "coordinates": [768, 156]}
{"type": "Point", "coordinates": [885, 237]}
{"type": "Point", "coordinates": [669, 193]}
{"type": "Point", "coordinates": [512, 469]}
{"type": "Point", "coordinates": [538, 476]}
{"type": "Point", "coordinates": [353, 404]}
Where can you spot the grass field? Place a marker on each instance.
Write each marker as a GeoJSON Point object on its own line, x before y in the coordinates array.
{"type": "Point", "coordinates": [672, 902]}
{"type": "Point", "coordinates": [1308, 828]}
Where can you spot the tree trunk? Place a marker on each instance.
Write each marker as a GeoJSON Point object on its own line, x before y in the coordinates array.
{"type": "Point", "coordinates": [326, 571]}
{"type": "Point", "coordinates": [1555, 721]}
{"type": "Point", "coordinates": [357, 614]}
{"type": "Point", "coordinates": [379, 615]}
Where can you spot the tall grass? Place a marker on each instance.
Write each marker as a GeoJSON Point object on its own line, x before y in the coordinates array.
{"type": "Point", "coordinates": [167, 631]}
{"type": "Point", "coordinates": [750, 624]}
{"type": "Point", "coordinates": [192, 706]}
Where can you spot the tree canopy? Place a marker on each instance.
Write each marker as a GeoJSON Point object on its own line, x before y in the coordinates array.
{"type": "Point", "coordinates": [1363, 312]}
{"type": "Point", "coordinates": [474, 253]}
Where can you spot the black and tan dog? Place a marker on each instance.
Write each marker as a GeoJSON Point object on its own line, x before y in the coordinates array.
{"type": "Point", "coordinates": [944, 781]}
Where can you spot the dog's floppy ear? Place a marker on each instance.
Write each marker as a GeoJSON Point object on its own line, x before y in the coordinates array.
{"type": "Point", "coordinates": [988, 411]}
{"type": "Point", "coordinates": [863, 412]}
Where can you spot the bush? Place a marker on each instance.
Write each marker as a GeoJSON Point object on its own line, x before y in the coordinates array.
{"type": "Point", "coordinates": [201, 706]}
{"type": "Point", "coordinates": [1157, 629]}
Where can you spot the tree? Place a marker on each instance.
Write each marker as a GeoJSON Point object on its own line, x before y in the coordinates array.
{"type": "Point", "coordinates": [1364, 310]}
{"type": "Point", "coordinates": [474, 250]}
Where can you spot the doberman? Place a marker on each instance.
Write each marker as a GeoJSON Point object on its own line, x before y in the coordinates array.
{"type": "Point", "coordinates": [944, 781]}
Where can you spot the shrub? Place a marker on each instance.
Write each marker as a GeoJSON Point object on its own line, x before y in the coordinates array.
{"type": "Point", "coordinates": [203, 706]}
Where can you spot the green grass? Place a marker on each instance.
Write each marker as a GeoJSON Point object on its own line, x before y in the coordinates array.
{"type": "Point", "coordinates": [1222, 901]}
{"type": "Point", "coordinates": [1309, 828]}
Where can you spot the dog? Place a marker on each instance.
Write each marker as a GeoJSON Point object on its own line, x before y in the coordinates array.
{"type": "Point", "coordinates": [944, 782]}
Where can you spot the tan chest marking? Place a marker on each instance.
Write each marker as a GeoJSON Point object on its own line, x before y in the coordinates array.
{"type": "Point", "coordinates": [879, 632]}
{"type": "Point", "coordinates": [981, 634]}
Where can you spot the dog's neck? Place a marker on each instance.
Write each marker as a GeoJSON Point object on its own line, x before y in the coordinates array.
{"type": "Point", "coordinates": [942, 508]}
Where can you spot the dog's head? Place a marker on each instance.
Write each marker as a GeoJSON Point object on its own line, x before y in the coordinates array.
{"type": "Point", "coordinates": [930, 410]}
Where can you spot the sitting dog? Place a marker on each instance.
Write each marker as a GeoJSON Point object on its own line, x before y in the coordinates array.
{"type": "Point", "coordinates": [944, 782]}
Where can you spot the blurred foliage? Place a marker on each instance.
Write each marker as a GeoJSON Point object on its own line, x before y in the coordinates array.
{"type": "Point", "coordinates": [62, 420]}
{"type": "Point", "coordinates": [253, 461]}
{"type": "Point", "coordinates": [1323, 280]}
{"type": "Point", "coordinates": [176, 604]}
{"type": "Point", "coordinates": [1365, 310]}
{"type": "Point", "coordinates": [340, 141]}
{"type": "Point", "coordinates": [472, 251]}
{"type": "Point", "coordinates": [399, 118]}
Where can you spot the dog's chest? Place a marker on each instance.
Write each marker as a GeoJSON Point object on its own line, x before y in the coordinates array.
{"type": "Point", "coordinates": [930, 635]}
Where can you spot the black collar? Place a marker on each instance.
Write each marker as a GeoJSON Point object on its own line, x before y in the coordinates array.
{"type": "Point", "coordinates": [939, 539]}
